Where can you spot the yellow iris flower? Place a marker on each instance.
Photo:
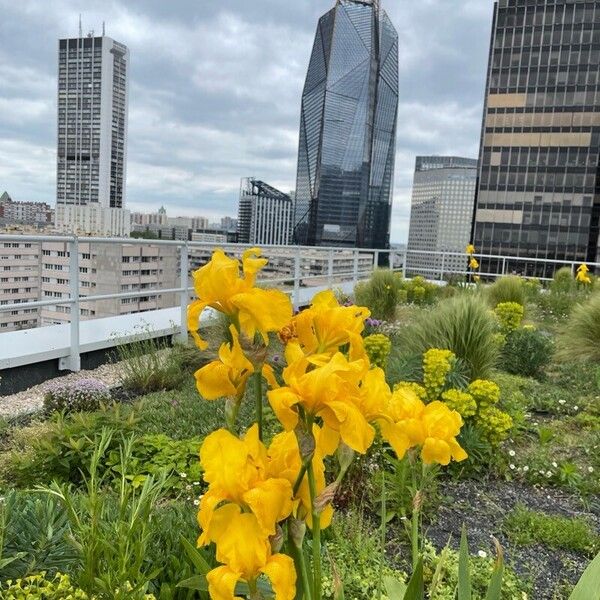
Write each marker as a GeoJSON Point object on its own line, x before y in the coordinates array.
{"type": "Point", "coordinates": [473, 264]}
{"type": "Point", "coordinates": [582, 274]}
{"type": "Point", "coordinates": [329, 391]}
{"type": "Point", "coordinates": [227, 376]}
{"type": "Point", "coordinates": [470, 249]}
{"type": "Point", "coordinates": [218, 285]}
{"type": "Point", "coordinates": [237, 473]}
{"type": "Point", "coordinates": [246, 554]}
{"type": "Point", "coordinates": [325, 326]}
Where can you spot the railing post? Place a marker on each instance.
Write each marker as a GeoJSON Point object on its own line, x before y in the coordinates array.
{"type": "Point", "coordinates": [330, 268]}
{"type": "Point", "coordinates": [404, 254]}
{"type": "Point", "coordinates": [297, 259]}
{"type": "Point", "coordinates": [355, 266]}
{"type": "Point", "coordinates": [182, 336]}
{"type": "Point", "coordinates": [375, 260]}
{"type": "Point", "coordinates": [442, 266]}
{"type": "Point", "coordinates": [72, 362]}
{"type": "Point", "coordinates": [504, 265]}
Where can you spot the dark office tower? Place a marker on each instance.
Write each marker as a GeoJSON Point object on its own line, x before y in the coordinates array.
{"type": "Point", "coordinates": [539, 186]}
{"type": "Point", "coordinates": [348, 129]}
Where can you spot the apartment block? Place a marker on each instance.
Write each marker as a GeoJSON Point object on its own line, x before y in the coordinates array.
{"type": "Point", "coordinates": [24, 213]}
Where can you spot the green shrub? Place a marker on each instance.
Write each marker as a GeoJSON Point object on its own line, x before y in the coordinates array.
{"type": "Point", "coordinates": [563, 281]}
{"type": "Point", "coordinates": [509, 315]}
{"type": "Point", "coordinates": [73, 396]}
{"type": "Point", "coordinates": [526, 352]}
{"type": "Point", "coordinates": [524, 526]}
{"type": "Point", "coordinates": [35, 536]}
{"type": "Point", "coordinates": [377, 347]}
{"type": "Point", "coordinates": [580, 338]}
{"type": "Point", "coordinates": [42, 587]}
{"type": "Point", "coordinates": [507, 289]}
{"type": "Point", "coordinates": [420, 291]}
{"type": "Point", "coordinates": [380, 294]}
{"type": "Point", "coordinates": [463, 325]}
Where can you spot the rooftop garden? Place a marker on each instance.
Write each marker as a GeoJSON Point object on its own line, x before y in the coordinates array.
{"type": "Point", "coordinates": [412, 441]}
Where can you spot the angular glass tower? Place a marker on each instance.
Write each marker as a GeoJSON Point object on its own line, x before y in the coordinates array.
{"type": "Point", "coordinates": [348, 130]}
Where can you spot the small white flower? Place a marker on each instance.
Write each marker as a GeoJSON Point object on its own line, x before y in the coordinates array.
{"type": "Point", "coordinates": [561, 401]}
{"type": "Point", "coordinates": [512, 466]}
{"type": "Point", "coordinates": [196, 483]}
{"type": "Point", "coordinates": [554, 464]}
{"type": "Point", "coordinates": [511, 452]}
{"type": "Point", "coordinates": [183, 475]}
{"type": "Point", "coordinates": [188, 487]}
{"type": "Point", "coordinates": [548, 473]}
{"type": "Point", "coordinates": [196, 502]}
{"type": "Point", "coordinates": [590, 469]}
{"type": "Point", "coordinates": [482, 554]}
{"type": "Point", "coordinates": [576, 408]}
{"type": "Point", "coordinates": [525, 469]}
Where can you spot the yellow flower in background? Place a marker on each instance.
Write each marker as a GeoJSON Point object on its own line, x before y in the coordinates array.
{"type": "Point", "coordinates": [218, 285]}
{"type": "Point", "coordinates": [246, 554]}
{"type": "Point", "coordinates": [237, 473]}
{"type": "Point", "coordinates": [582, 274]}
{"type": "Point", "coordinates": [227, 376]}
{"type": "Point", "coordinates": [329, 391]}
{"type": "Point", "coordinates": [325, 326]}
{"type": "Point", "coordinates": [470, 249]}
{"type": "Point", "coordinates": [473, 264]}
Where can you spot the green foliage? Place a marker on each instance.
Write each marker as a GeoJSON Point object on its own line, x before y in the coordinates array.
{"type": "Point", "coordinates": [79, 395]}
{"type": "Point", "coordinates": [354, 555]}
{"type": "Point", "coordinates": [589, 583]}
{"type": "Point", "coordinates": [509, 315]}
{"type": "Point", "coordinates": [149, 365]}
{"type": "Point", "coordinates": [379, 294]}
{"type": "Point", "coordinates": [377, 347]}
{"type": "Point", "coordinates": [524, 526]}
{"type": "Point", "coordinates": [35, 536]}
{"type": "Point", "coordinates": [419, 291]}
{"type": "Point", "coordinates": [42, 587]}
{"type": "Point", "coordinates": [526, 352]}
{"type": "Point", "coordinates": [580, 338]}
{"type": "Point", "coordinates": [111, 526]}
{"type": "Point", "coordinates": [507, 289]}
{"type": "Point", "coordinates": [463, 325]}
{"type": "Point", "coordinates": [563, 281]}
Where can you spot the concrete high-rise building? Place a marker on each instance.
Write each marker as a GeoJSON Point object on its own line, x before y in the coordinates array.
{"type": "Point", "coordinates": [93, 87]}
{"type": "Point", "coordinates": [443, 196]}
{"type": "Point", "coordinates": [348, 129]}
{"type": "Point", "coordinates": [265, 214]}
{"type": "Point", "coordinates": [539, 181]}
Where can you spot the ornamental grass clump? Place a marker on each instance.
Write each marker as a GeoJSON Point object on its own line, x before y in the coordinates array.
{"type": "Point", "coordinates": [76, 396]}
{"type": "Point", "coordinates": [510, 288]}
{"type": "Point", "coordinates": [380, 294]}
{"type": "Point", "coordinates": [580, 337]}
{"type": "Point", "coordinates": [329, 400]}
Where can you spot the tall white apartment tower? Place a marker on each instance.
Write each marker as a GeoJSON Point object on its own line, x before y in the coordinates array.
{"type": "Point", "coordinates": [93, 87]}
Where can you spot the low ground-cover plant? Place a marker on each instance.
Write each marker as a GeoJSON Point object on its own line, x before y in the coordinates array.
{"type": "Point", "coordinates": [41, 586]}
{"type": "Point", "coordinates": [524, 526]}
{"type": "Point", "coordinates": [75, 396]}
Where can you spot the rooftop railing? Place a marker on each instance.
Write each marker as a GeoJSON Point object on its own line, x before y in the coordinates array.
{"type": "Point", "coordinates": [301, 271]}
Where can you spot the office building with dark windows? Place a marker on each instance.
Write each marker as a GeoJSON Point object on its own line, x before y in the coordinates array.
{"type": "Point", "coordinates": [443, 196]}
{"type": "Point", "coordinates": [538, 193]}
{"type": "Point", "coordinates": [92, 135]}
{"type": "Point", "coordinates": [348, 129]}
{"type": "Point", "coordinates": [264, 214]}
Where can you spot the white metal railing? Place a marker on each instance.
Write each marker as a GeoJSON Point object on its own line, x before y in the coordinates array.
{"type": "Point", "coordinates": [362, 261]}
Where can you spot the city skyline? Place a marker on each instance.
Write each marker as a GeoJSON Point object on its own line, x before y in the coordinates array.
{"type": "Point", "coordinates": [225, 100]}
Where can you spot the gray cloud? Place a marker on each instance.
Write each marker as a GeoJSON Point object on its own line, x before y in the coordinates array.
{"type": "Point", "coordinates": [216, 87]}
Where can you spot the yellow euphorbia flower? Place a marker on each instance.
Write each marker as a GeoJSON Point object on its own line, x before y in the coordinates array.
{"type": "Point", "coordinates": [473, 264]}
{"type": "Point", "coordinates": [236, 471]}
{"type": "Point", "coordinates": [329, 391]}
{"type": "Point", "coordinates": [218, 285]}
{"type": "Point", "coordinates": [246, 554]}
{"type": "Point", "coordinates": [325, 326]}
{"type": "Point", "coordinates": [228, 375]}
{"type": "Point", "coordinates": [285, 461]}
{"type": "Point", "coordinates": [470, 249]}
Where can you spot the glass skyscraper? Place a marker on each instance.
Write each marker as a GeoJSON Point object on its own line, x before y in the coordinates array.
{"type": "Point", "coordinates": [539, 186]}
{"type": "Point", "coordinates": [348, 130]}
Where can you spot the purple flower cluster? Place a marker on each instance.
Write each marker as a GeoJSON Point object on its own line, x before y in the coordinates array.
{"type": "Point", "coordinates": [372, 322]}
{"type": "Point", "coordinates": [83, 394]}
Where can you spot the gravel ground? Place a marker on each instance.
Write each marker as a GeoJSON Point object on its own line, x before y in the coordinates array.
{"type": "Point", "coordinates": [31, 400]}
{"type": "Point", "coordinates": [482, 507]}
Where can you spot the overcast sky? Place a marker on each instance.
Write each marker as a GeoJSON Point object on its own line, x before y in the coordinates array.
{"type": "Point", "coordinates": [215, 92]}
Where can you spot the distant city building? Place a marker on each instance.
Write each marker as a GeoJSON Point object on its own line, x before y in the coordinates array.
{"type": "Point", "coordinates": [229, 223]}
{"type": "Point", "coordinates": [348, 129]}
{"type": "Point", "coordinates": [92, 220]}
{"type": "Point", "coordinates": [108, 269]}
{"type": "Point", "coordinates": [538, 192]}
{"type": "Point", "coordinates": [265, 214]}
{"type": "Point", "coordinates": [443, 196]}
{"type": "Point", "coordinates": [19, 283]}
{"type": "Point", "coordinates": [24, 213]}
{"type": "Point", "coordinates": [92, 134]}
{"type": "Point", "coordinates": [161, 218]}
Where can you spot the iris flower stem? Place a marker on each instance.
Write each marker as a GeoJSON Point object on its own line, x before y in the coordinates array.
{"type": "Point", "coordinates": [299, 560]}
{"type": "Point", "coordinates": [316, 534]}
{"type": "Point", "coordinates": [416, 514]}
{"type": "Point", "coordinates": [259, 403]}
